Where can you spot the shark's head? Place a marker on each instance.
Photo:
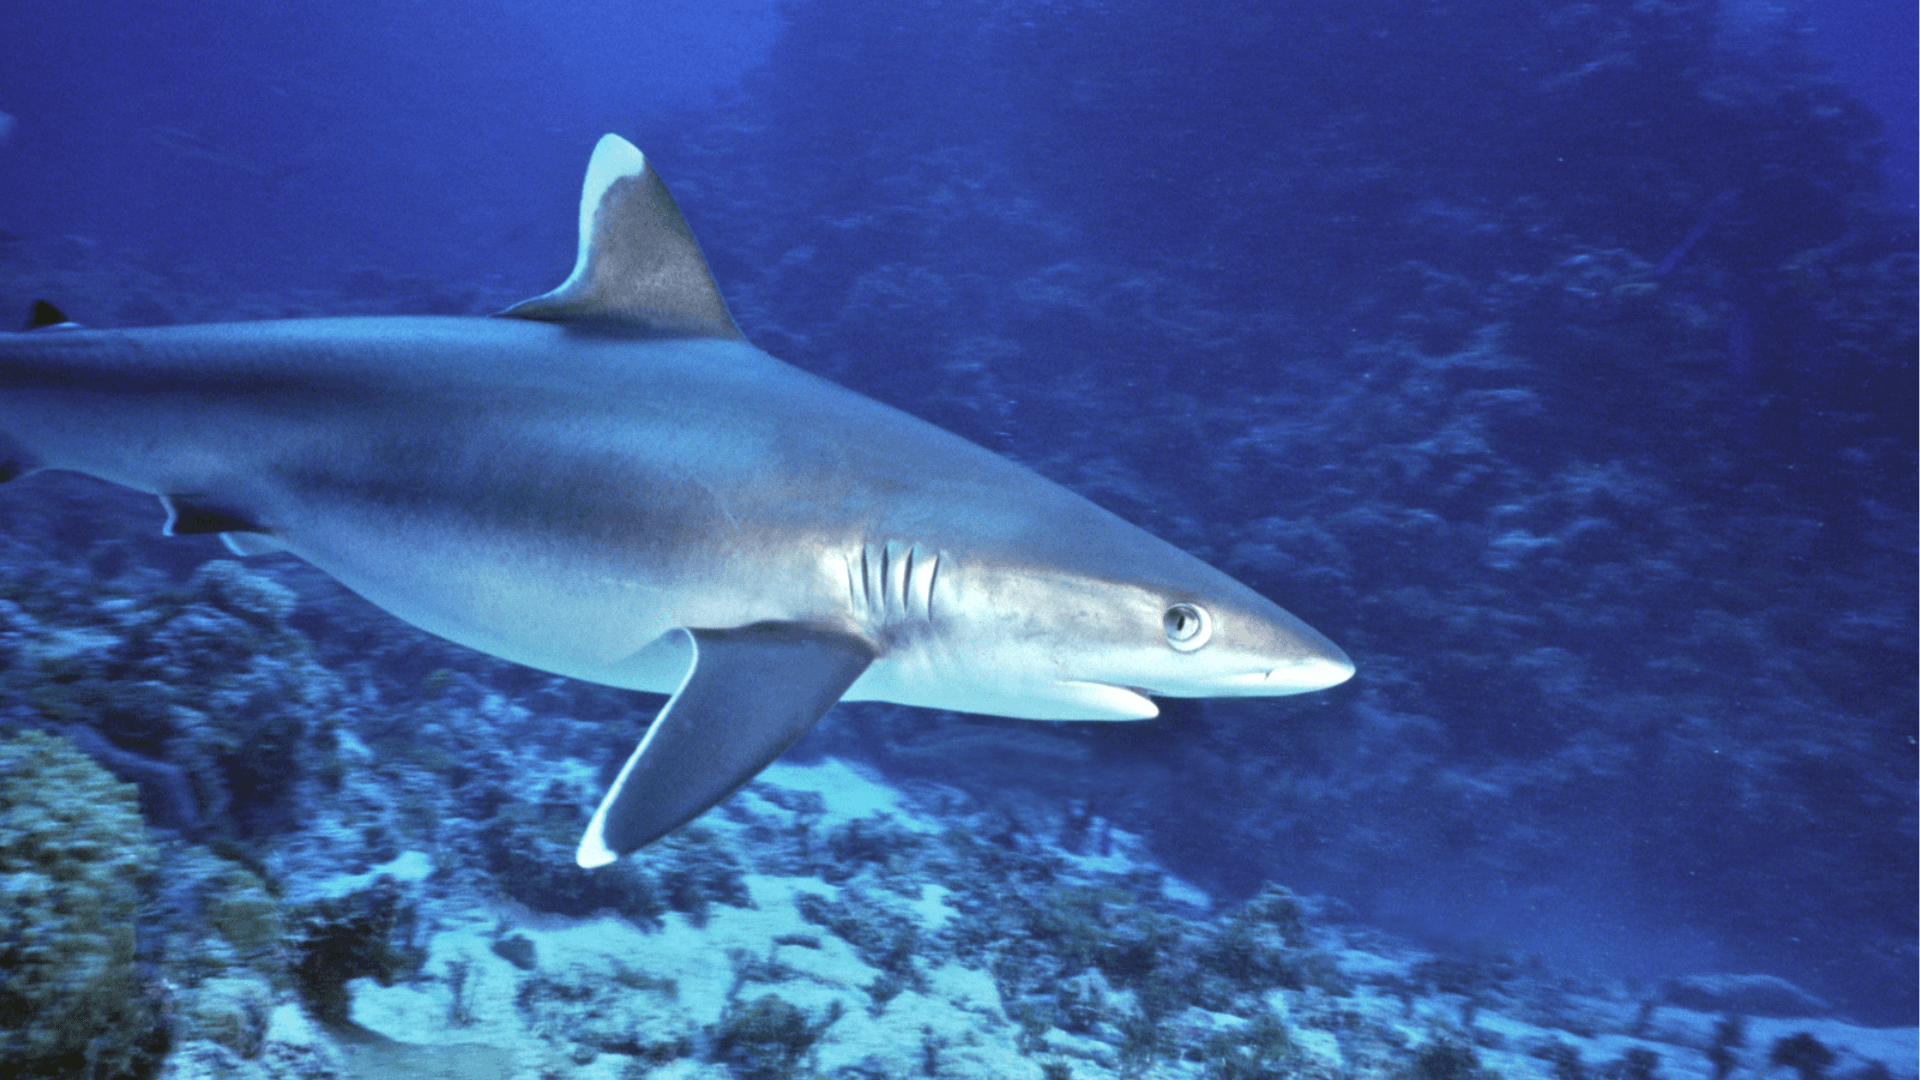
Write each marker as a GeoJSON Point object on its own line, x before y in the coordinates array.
{"type": "Point", "coordinates": [1073, 631]}
{"type": "Point", "coordinates": [1224, 641]}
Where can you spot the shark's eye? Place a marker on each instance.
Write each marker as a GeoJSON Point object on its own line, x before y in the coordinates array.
{"type": "Point", "coordinates": [1188, 626]}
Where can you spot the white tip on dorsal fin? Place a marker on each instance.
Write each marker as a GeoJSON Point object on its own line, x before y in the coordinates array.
{"type": "Point", "coordinates": [639, 264]}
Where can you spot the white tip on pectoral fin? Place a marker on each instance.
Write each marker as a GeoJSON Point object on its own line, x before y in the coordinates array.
{"type": "Point", "coordinates": [593, 851]}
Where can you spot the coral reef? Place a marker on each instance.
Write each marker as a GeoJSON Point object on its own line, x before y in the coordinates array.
{"type": "Point", "coordinates": [365, 934]}
{"type": "Point", "coordinates": [767, 1038]}
{"type": "Point", "coordinates": [821, 924]}
{"type": "Point", "coordinates": [1804, 1054]}
{"type": "Point", "coordinates": [202, 693]}
{"type": "Point", "coordinates": [75, 863]}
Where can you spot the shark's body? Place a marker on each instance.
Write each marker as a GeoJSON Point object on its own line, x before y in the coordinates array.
{"type": "Point", "coordinates": [613, 485]}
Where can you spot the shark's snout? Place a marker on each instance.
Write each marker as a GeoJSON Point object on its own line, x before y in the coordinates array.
{"type": "Point", "coordinates": [1317, 672]}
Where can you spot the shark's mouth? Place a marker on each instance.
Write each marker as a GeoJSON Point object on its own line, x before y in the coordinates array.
{"type": "Point", "coordinates": [1298, 677]}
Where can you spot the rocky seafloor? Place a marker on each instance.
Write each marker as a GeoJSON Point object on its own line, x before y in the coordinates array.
{"type": "Point", "coordinates": [283, 865]}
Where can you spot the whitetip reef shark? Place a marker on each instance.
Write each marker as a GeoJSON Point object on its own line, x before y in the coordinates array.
{"type": "Point", "coordinates": [610, 483]}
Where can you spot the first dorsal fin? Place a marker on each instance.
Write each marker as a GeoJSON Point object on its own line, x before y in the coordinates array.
{"type": "Point", "coordinates": [639, 265]}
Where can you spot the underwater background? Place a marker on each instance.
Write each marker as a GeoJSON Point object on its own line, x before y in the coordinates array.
{"type": "Point", "coordinates": [1557, 359]}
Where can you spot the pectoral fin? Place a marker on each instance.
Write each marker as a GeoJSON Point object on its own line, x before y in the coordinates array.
{"type": "Point", "coordinates": [748, 695]}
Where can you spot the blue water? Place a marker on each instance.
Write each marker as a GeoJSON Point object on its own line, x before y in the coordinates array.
{"type": "Point", "coordinates": [1556, 359]}
{"type": "Point", "coordinates": [1871, 49]}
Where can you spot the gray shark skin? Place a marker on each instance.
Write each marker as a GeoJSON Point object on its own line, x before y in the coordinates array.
{"type": "Point", "coordinates": [608, 482]}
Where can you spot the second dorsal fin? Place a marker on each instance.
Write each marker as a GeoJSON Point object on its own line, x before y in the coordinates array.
{"type": "Point", "coordinates": [47, 317]}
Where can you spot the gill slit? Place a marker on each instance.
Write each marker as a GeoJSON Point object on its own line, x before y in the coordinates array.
{"type": "Point", "coordinates": [891, 583]}
{"type": "Point", "coordinates": [933, 576]}
{"type": "Point", "coordinates": [906, 582]}
{"type": "Point", "coordinates": [866, 577]}
{"type": "Point", "coordinates": [858, 584]}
